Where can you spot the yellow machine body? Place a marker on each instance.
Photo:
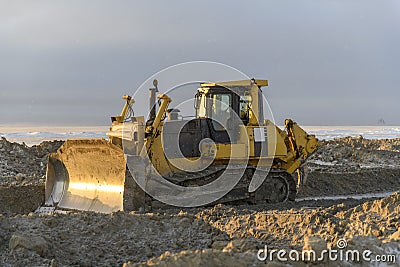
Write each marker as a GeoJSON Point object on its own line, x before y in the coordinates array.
{"type": "Point", "coordinates": [90, 174]}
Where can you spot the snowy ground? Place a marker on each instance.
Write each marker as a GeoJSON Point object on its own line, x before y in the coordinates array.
{"type": "Point", "coordinates": [34, 135]}
{"type": "Point", "coordinates": [368, 132]}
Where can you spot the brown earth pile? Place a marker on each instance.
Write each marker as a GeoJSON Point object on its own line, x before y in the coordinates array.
{"type": "Point", "coordinates": [373, 225]}
{"type": "Point", "coordinates": [353, 166]}
{"type": "Point", "coordinates": [22, 175]}
{"type": "Point", "coordinates": [213, 236]}
{"type": "Point", "coordinates": [23, 165]}
{"type": "Point", "coordinates": [354, 153]}
{"type": "Point", "coordinates": [218, 235]}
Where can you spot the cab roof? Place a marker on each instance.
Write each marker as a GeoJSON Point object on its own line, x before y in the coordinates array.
{"type": "Point", "coordinates": [250, 82]}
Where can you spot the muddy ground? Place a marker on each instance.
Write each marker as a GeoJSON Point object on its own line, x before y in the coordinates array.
{"type": "Point", "coordinates": [222, 235]}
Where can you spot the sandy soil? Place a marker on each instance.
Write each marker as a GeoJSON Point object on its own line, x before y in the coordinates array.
{"type": "Point", "coordinates": [214, 236]}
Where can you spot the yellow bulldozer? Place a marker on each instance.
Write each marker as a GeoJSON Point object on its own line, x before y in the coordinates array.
{"type": "Point", "coordinates": [228, 135]}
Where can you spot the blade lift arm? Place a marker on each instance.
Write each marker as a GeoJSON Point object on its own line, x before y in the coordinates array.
{"type": "Point", "coordinates": [121, 117]}
{"type": "Point", "coordinates": [153, 130]}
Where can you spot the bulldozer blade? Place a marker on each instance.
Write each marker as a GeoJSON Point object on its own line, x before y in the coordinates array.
{"type": "Point", "coordinates": [86, 174]}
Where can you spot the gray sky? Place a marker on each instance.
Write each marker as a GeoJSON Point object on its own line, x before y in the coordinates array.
{"type": "Point", "coordinates": [328, 62]}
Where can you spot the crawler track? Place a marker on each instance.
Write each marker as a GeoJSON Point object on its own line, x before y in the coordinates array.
{"type": "Point", "coordinates": [278, 186]}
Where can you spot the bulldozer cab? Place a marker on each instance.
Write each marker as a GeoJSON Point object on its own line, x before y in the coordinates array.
{"type": "Point", "coordinates": [217, 101]}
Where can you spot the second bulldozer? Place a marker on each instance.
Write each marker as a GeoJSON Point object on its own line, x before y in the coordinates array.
{"type": "Point", "coordinates": [228, 130]}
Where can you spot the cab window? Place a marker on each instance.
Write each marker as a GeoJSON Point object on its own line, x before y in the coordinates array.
{"type": "Point", "coordinates": [220, 111]}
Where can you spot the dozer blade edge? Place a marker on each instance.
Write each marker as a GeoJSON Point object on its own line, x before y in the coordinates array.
{"type": "Point", "coordinates": [86, 174]}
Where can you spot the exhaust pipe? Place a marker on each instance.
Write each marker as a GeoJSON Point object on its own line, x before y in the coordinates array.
{"type": "Point", "coordinates": [152, 101]}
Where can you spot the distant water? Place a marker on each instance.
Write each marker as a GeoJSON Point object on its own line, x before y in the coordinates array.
{"type": "Point", "coordinates": [35, 135]}
{"type": "Point", "coordinates": [368, 132]}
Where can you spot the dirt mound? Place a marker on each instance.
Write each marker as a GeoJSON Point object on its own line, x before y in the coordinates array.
{"type": "Point", "coordinates": [206, 257]}
{"type": "Point", "coordinates": [298, 229]}
{"type": "Point", "coordinates": [23, 165]}
{"type": "Point", "coordinates": [216, 236]}
{"type": "Point", "coordinates": [353, 153]}
{"type": "Point", "coordinates": [20, 199]}
{"type": "Point", "coordinates": [380, 218]}
{"type": "Point", "coordinates": [353, 166]}
{"type": "Point", "coordinates": [89, 239]}
{"type": "Point", "coordinates": [363, 181]}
